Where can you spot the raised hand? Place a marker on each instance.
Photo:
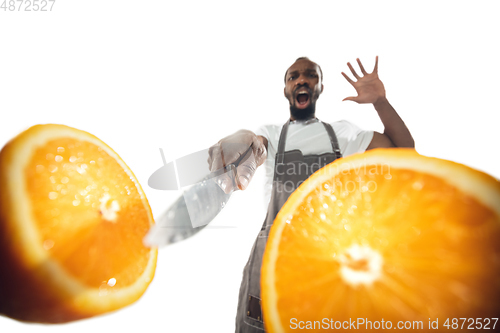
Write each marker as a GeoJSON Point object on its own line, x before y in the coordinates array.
{"type": "Point", "coordinates": [369, 87]}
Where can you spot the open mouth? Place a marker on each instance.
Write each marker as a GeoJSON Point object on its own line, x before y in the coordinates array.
{"type": "Point", "coordinates": [302, 99]}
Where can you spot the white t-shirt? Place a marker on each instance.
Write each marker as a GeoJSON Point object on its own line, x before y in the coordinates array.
{"type": "Point", "coordinates": [310, 137]}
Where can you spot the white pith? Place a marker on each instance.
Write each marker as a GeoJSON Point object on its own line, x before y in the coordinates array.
{"type": "Point", "coordinates": [360, 265]}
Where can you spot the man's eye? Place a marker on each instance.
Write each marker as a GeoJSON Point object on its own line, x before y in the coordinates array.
{"type": "Point", "coordinates": [291, 78]}
{"type": "Point", "coordinates": [312, 75]}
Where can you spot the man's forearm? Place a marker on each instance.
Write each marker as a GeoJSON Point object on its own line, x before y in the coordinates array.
{"type": "Point", "coordinates": [394, 127]}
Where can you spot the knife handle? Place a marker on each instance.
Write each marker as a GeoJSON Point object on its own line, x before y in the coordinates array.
{"type": "Point", "coordinates": [242, 158]}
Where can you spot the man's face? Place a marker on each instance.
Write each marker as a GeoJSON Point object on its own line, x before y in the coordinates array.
{"type": "Point", "coordinates": [303, 84]}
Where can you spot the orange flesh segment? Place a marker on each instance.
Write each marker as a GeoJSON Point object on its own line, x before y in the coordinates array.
{"type": "Point", "coordinates": [81, 198]}
{"type": "Point", "coordinates": [431, 237]}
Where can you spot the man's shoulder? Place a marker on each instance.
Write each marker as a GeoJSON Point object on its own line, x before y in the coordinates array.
{"type": "Point", "coordinates": [268, 131]}
{"type": "Point", "coordinates": [271, 126]}
{"type": "Point", "coordinates": [345, 127]}
{"type": "Point", "coordinates": [342, 123]}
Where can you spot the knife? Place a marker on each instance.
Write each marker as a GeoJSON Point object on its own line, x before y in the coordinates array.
{"type": "Point", "coordinates": [200, 202]}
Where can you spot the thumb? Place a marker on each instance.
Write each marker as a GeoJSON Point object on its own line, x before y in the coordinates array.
{"type": "Point", "coordinates": [259, 151]}
{"type": "Point", "coordinates": [245, 171]}
{"type": "Point", "coordinates": [225, 182]}
{"type": "Point", "coordinates": [350, 99]}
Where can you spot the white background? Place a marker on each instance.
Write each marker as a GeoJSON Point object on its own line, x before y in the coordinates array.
{"type": "Point", "coordinates": [142, 75]}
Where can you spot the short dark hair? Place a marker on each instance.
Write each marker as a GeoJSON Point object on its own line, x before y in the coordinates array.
{"type": "Point", "coordinates": [306, 58]}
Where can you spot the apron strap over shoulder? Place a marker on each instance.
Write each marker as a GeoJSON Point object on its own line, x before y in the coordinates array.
{"type": "Point", "coordinates": [281, 143]}
{"type": "Point", "coordinates": [333, 140]}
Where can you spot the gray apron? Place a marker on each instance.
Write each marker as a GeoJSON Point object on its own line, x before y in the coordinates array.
{"type": "Point", "coordinates": [249, 314]}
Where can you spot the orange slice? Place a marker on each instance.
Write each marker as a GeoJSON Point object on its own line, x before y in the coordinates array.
{"type": "Point", "coordinates": [385, 236]}
{"type": "Point", "coordinates": [72, 220]}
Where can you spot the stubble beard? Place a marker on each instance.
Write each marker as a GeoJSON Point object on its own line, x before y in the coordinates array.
{"type": "Point", "coordinates": [303, 114]}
